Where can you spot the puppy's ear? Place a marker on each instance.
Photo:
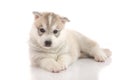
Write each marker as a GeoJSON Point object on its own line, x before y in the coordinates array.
{"type": "Point", "coordinates": [36, 14]}
{"type": "Point", "coordinates": [64, 19]}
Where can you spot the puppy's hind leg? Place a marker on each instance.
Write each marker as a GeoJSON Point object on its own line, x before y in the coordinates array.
{"type": "Point", "coordinates": [93, 49]}
{"type": "Point", "coordinates": [99, 54]}
{"type": "Point", "coordinates": [84, 55]}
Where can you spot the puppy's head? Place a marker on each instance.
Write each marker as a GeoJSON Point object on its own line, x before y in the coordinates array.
{"type": "Point", "coordinates": [49, 26]}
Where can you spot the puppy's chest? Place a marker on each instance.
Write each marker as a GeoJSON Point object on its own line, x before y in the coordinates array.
{"type": "Point", "coordinates": [53, 53]}
{"type": "Point", "coordinates": [61, 49]}
{"type": "Point", "coordinates": [58, 51]}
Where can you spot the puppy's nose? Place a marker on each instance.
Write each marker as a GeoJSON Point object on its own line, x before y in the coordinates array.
{"type": "Point", "coordinates": [48, 43]}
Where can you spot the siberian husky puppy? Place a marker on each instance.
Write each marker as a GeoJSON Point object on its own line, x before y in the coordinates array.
{"type": "Point", "coordinates": [54, 48]}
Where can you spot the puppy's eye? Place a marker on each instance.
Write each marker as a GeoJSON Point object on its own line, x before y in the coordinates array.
{"type": "Point", "coordinates": [55, 31]}
{"type": "Point", "coordinates": [42, 30]}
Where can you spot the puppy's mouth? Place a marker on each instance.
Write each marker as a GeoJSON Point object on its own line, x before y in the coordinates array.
{"type": "Point", "coordinates": [47, 48]}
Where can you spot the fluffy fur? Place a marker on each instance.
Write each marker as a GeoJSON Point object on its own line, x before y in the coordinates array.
{"type": "Point", "coordinates": [65, 47]}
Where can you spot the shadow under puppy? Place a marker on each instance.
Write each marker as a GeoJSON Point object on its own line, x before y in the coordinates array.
{"type": "Point", "coordinates": [54, 48]}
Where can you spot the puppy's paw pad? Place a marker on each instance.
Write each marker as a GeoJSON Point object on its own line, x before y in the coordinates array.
{"type": "Point", "coordinates": [100, 58]}
{"type": "Point", "coordinates": [56, 68]}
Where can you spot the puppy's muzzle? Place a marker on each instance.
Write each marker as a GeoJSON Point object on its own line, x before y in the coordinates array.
{"type": "Point", "coordinates": [48, 43]}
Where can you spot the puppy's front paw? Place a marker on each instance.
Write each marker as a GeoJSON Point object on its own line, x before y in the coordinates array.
{"type": "Point", "coordinates": [55, 68]}
{"type": "Point", "coordinates": [100, 57]}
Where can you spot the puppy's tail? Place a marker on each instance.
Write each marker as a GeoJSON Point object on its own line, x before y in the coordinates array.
{"type": "Point", "coordinates": [107, 52]}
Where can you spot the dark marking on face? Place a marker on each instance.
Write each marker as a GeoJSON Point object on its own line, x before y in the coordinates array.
{"type": "Point", "coordinates": [49, 23]}
{"type": "Point", "coordinates": [41, 31]}
{"type": "Point", "coordinates": [56, 34]}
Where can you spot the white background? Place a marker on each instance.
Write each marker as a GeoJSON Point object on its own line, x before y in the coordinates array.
{"type": "Point", "coordinates": [98, 19]}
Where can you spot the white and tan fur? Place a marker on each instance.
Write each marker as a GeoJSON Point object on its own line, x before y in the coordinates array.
{"type": "Point", "coordinates": [67, 45]}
